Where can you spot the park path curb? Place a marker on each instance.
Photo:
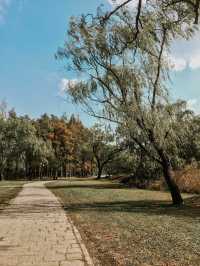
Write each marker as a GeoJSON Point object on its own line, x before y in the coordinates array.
{"type": "Point", "coordinates": [82, 245]}
{"type": "Point", "coordinates": [78, 236]}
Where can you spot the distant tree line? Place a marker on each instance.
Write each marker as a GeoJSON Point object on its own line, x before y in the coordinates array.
{"type": "Point", "coordinates": [45, 147]}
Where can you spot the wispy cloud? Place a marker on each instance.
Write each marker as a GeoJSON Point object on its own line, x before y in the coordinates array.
{"type": "Point", "coordinates": [177, 63]}
{"type": "Point", "coordinates": [4, 5]}
{"type": "Point", "coordinates": [193, 104]}
{"type": "Point", "coordinates": [188, 52]}
{"type": "Point", "coordinates": [65, 84]}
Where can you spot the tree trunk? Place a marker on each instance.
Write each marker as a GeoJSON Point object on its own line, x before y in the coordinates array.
{"type": "Point", "coordinates": [56, 174]}
{"type": "Point", "coordinates": [174, 190]}
{"type": "Point", "coordinates": [100, 169]}
{"type": "Point", "coordinates": [61, 171]}
{"type": "Point", "coordinates": [26, 170]}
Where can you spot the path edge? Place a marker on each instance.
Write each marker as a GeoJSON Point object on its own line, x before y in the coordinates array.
{"type": "Point", "coordinates": [80, 241]}
{"type": "Point", "coordinates": [87, 257]}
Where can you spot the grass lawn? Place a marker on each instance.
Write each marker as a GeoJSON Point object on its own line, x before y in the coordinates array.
{"type": "Point", "coordinates": [123, 226]}
{"type": "Point", "coordinates": [9, 190]}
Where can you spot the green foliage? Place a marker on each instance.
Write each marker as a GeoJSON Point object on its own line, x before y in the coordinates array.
{"type": "Point", "coordinates": [104, 147]}
{"type": "Point", "coordinates": [46, 147]}
{"type": "Point", "coordinates": [20, 146]}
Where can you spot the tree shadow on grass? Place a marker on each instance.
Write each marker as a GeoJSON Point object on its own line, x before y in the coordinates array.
{"type": "Point", "coordinates": [143, 206]}
{"type": "Point", "coordinates": [92, 186]}
{"type": "Point", "coordinates": [191, 208]}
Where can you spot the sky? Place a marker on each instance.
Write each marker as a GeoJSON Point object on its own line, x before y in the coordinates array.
{"type": "Point", "coordinates": [31, 80]}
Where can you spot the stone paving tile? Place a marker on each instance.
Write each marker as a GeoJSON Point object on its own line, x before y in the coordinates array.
{"type": "Point", "coordinates": [34, 231]}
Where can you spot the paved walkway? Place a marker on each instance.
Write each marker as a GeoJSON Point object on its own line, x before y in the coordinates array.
{"type": "Point", "coordinates": [34, 230]}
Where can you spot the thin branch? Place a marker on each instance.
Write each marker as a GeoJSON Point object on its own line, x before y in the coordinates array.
{"type": "Point", "coordinates": [137, 22]}
{"type": "Point", "coordinates": [155, 86]}
{"type": "Point", "coordinates": [108, 15]}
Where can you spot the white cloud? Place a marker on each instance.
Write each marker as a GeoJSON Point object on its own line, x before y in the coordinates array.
{"type": "Point", "coordinates": [178, 64]}
{"type": "Point", "coordinates": [193, 104]}
{"type": "Point", "coordinates": [188, 52]}
{"type": "Point", "coordinates": [4, 5]}
{"type": "Point", "coordinates": [65, 84]}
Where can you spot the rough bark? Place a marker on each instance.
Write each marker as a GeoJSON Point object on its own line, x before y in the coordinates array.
{"type": "Point", "coordinates": [173, 188]}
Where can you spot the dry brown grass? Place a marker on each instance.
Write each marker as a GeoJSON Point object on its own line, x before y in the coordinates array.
{"type": "Point", "coordinates": [187, 179]}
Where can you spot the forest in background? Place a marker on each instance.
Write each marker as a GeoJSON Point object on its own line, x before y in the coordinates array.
{"type": "Point", "coordinates": [45, 147]}
{"type": "Point", "coordinates": [52, 147]}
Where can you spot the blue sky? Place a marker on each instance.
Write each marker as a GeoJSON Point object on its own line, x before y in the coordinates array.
{"type": "Point", "coordinates": [30, 33]}
{"type": "Point", "coordinates": [30, 77]}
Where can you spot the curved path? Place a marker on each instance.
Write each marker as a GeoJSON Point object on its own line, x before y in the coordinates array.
{"type": "Point", "coordinates": [35, 231]}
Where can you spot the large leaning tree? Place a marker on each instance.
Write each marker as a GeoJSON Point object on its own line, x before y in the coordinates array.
{"type": "Point", "coordinates": [122, 57]}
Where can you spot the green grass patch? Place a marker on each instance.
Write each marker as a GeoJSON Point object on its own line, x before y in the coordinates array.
{"type": "Point", "coordinates": [123, 226]}
{"type": "Point", "coordinates": [9, 190]}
